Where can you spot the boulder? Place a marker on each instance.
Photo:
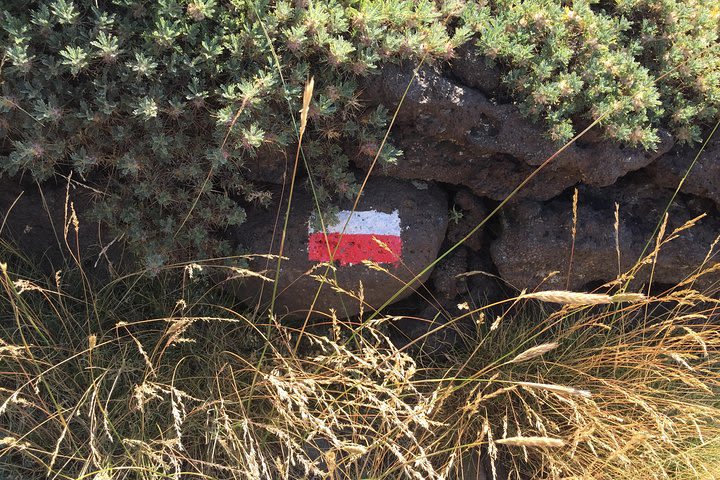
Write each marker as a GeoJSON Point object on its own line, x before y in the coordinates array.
{"type": "Point", "coordinates": [703, 178]}
{"type": "Point", "coordinates": [474, 70]}
{"type": "Point", "coordinates": [536, 238]}
{"type": "Point", "coordinates": [409, 220]}
{"type": "Point", "coordinates": [477, 465]}
{"type": "Point", "coordinates": [483, 281]}
{"type": "Point", "coordinates": [455, 134]}
{"type": "Point", "coordinates": [447, 277]}
{"type": "Point", "coordinates": [431, 334]}
{"type": "Point", "coordinates": [268, 165]}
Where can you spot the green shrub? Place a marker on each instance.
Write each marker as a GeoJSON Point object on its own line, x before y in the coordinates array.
{"type": "Point", "coordinates": [139, 97]}
{"type": "Point", "coordinates": [639, 64]}
{"type": "Point", "coordinates": [160, 106]}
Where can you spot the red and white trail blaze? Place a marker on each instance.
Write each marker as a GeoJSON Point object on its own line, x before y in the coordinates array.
{"type": "Point", "coordinates": [358, 242]}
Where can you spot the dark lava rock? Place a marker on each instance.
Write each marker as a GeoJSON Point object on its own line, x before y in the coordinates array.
{"type": "Point", "coordinates": [478, 466]}
{"type": "Point", "coordinates": [431, 333]}
{"type": "Point", "coordinates": [536, 238]}
{"type": "Point", "coordinates": [455, 134]}
{"type": "Point", "coordinates": [474, 70]}
{"type": "Point", "coordinates": [423, 217]}
{"type": "Point", "coordinates": [483, 282]}
{"type": "Point", "coordinates": [447, 278]}
{"type": "Point", "coordinates": [35, 217]}
{"type": "Point", "coordinates": [704, 177]}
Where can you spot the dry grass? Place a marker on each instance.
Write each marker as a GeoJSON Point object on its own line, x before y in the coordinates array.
{"type": "Point", "coordinates": [162, 378]}
{"type": "Point", "coordinates": [631, 394]}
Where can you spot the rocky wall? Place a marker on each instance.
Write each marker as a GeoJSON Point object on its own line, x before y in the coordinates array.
{"type": "Point", "coordinates": [463, 139]}
{"type": "Point", "coordinates": [466, 148]}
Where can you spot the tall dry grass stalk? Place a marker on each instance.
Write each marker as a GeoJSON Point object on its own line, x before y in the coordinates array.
{"type": "Point", "coordinates": [579, 299]}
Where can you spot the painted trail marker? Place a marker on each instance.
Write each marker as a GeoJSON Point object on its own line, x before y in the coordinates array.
{"type": "Point", "coordinates": [357, 243]}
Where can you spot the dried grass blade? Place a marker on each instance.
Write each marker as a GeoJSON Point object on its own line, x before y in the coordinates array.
{"type": "Point", "coordinates": [307, 96]}
{"type": "Point", "coordinates": [556, 388]}
{"type": "Point", "coordinates": [546, 442]}
{"type": "Point", "coordinates": [534, 352]}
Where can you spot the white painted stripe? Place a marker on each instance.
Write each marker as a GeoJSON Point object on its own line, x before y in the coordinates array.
{"type": "Point", "coordinates": [367, 222]}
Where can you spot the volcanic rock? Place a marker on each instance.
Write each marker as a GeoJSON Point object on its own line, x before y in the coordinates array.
{"type": "Point", "coordinates": [483, 282]}
{"type": "Point", "coordinates": [474, 70]}
{"type": "Point", "coordinates": [703, 178]}
{"type": "Point", "coordinates": [269, 165]}
{"type": "Point", "coordinates": [431, 333]}
{"type": "Point", "coordinates": [423, 218]}
{"type": "Point", "coordinates": [447, 277]}
{"type": "Point", "coordinates": [536, 238]}
{"type": "Point", "coordinates": [455, 134]}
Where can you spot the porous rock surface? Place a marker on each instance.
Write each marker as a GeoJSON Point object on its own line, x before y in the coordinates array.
{"type": "Point", "coordinates": [454, 133]}
{"type": "Point", "coordinates": [423, 215]}
{"type": "Point", "coordinates": [536, 238]}
{"type": "Point", "coordinates": [702, 169]}
{"type": "Point", "coordinates": [447, 277]}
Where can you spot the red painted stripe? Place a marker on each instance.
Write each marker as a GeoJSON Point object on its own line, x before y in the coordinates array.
{"type": "Point", "coordinates": [354, 248]}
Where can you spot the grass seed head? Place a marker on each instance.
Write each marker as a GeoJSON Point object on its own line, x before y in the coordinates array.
{"type": "Point", "coordinates": [541, 442]}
